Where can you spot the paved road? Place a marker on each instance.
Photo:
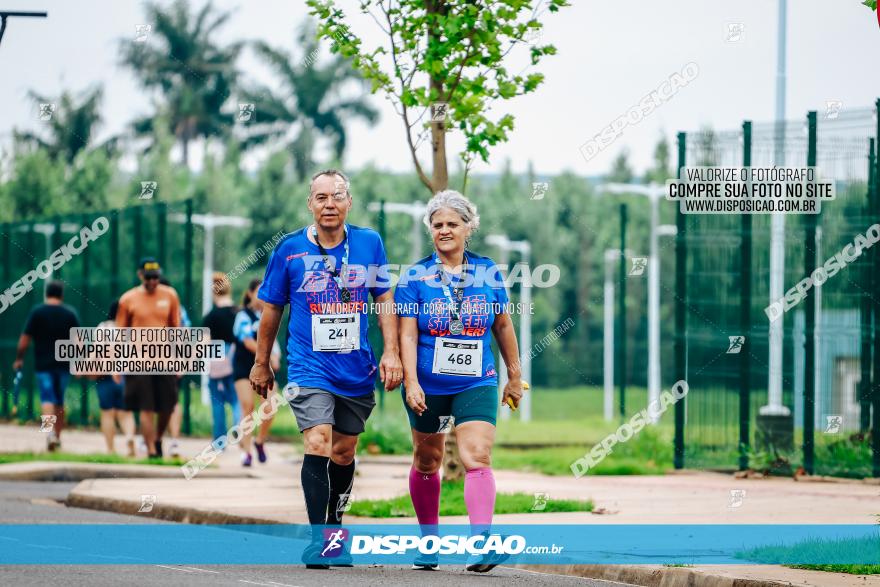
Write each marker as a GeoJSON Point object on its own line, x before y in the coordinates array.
{"type": "Point", "coordinates": [40, 503]}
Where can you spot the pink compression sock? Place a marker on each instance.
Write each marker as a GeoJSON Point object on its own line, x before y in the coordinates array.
{"type": "Point", "coordinates": [424, 490]}
{"type": "Point", "coordinates": [479, 496]}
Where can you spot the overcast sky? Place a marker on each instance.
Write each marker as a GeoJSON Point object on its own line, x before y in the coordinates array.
{"type": "Point", "coordinates": [610, 55]}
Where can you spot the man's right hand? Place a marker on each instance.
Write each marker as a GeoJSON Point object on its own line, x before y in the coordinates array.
{"type": "Point", "coordinates": [16, 365]}
{"type": "Point", "coordinates": [262, 379]}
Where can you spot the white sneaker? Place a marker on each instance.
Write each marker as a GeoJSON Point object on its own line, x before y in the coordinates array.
{"type": "Point", "coordinates": [174, 449]}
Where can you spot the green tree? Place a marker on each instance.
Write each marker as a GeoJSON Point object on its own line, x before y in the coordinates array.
{"type": "Point", "coordinates": [70, 123]}
{"type": "Point", "coordinates": [310, 102]}
{"type": "Point", "coordinates": [191, 72]}
{"type": "Point", "coordinates": [660, 172]}
{"type": "Point", "coordinates": [275, 202]}
{"type": "Point", "coordinates": [621, 172]}
{"type": "Point", "coordinates": [89, 180]}
{"type": "Point", "coordinates": [447, 68]}
{"type": "Point", "coordinates": [706, 147]}
{"type": "Point", "coordinates": [35, 187]}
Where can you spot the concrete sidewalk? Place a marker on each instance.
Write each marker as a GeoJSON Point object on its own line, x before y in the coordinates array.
{"type": "Point", "coordinates": [273, 495]}
{"type": "Point", "coordinates": [680, 498]}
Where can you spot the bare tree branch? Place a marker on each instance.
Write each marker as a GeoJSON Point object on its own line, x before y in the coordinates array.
{"type": "Point", "coordinates": [405, 113]}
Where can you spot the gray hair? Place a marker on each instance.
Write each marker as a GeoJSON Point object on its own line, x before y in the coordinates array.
{"type": "Point", "coordinates": [457, 203]}
{"type": "Point", "coordinates": [335, 172]}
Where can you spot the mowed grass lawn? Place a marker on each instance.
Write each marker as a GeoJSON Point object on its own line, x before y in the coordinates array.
{"type": "Point", "coordinates": [452, 504]}
{"type": "Point", "coordinates": [834, 556]}
{"type": "Point", "coordinates": [566, 424]}
{"type": "Point", "coordinates": [24, 457]}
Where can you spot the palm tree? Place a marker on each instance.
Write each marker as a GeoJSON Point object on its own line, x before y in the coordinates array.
{"type": "Point", "coordinates": [309, 106]}
{"type": "Point", "coordinates": [193, 74]}
{"type": "Point", "coordinates": [71, 122]}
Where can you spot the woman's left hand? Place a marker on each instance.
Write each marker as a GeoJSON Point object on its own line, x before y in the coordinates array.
{"type": "Point", "coordinates": [514, 391]}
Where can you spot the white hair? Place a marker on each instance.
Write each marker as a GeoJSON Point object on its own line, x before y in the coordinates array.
{"type": "Point", "coordinates": [457, 203]}
{"type": "Point", "coordinates": [333, 172]}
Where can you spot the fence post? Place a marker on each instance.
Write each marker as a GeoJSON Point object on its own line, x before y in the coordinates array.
{"type": "Point", "coordinates": [866, 305]}
{"type": "Point", "coordinates": [875, 384]}
{"type": "Point", "coordinates": [810, 314]}
{"type": "Point", "coordinates": [31, 380]}
{"type": "Point", "coordinates": [621, 315]}
{"type": "Point", "coordinates": [680, 311]}
{"type": "Point", "coordinates": [380, 222]}
{"type": "Point", "coordinates": [137, 224]}
{"type": "Point", "coordinates": [114, 252]}
{"type": "Point", "coordinates": [161, 222]}
{"type": "Point", "coordinates": [187, 300]}
{"type": "Point", "coordinates": [84, 287]}
{"type": "Point", "coordinates": [745, 315]}
{"type": "Point", "coordinates": [56, 244]}
{"type": "Point", "coordinates": [7, 278]}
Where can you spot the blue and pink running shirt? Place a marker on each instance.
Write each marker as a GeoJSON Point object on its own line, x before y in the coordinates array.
{"type": "Point", "coordinates": [327, 344]}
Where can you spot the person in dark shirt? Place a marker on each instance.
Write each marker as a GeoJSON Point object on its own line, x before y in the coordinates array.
{"type": "Point", "coordinates": [221, 384]}
{"type": "Point", "coordinates": [45, 324]}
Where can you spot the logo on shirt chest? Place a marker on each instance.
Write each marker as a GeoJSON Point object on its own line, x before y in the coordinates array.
{"type": "Point", "coordinates": [474, 316]}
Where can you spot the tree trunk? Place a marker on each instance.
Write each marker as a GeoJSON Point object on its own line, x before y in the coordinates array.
{"type": "Point", "coordinates": [453, 470]}
{"type": "Point", "coordinates": [440, 173]}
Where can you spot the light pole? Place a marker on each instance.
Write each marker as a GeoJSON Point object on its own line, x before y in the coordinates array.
{"type": "Point", "coordinates": [209, 222]}
{"type": "Point", "coordinates": [5, 14]}
{"type": "Point", "coordinates": [47, 229]}
{"type": "Point", "coordinates": [774, 405]}
{"type": "Point", "coordinates": [654, 192]}
{"type": "Point", "coordinates": [505, 245]}
{"type": "Point", "coordinates": [416, 210]}
{"type": "Point", "coordinates": [611, 257]}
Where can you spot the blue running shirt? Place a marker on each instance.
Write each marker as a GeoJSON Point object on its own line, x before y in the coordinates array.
{"type": "Point", "coordinates": [423, 298]}
{"type": "Point", "coordinates": [296, 275]}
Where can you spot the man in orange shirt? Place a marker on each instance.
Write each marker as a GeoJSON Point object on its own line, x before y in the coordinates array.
{"type": "Point", "coordinates": [150, 305]}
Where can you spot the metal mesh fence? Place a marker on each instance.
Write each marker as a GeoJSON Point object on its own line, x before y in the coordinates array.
{"type": "Point", "coordinates": [715, 288]}
{"type": "Point", "coordinates": [99, 274]}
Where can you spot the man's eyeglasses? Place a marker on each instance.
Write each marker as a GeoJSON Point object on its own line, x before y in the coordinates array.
{"type": "Point", "coordinates": [324, 198]}
{"type": "Point", "coordinates": [149, 277]}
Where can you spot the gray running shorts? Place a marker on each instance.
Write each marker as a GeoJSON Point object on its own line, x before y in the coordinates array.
{"type": "Point", "coordinates": [347, 415]}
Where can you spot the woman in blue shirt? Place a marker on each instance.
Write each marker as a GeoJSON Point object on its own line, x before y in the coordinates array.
{"type": "Point", "coordinates": [245, 328]}
{"type": "Point", "coordinates": [450, 305]}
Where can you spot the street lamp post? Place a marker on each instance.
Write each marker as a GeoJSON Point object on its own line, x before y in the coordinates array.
{"type": "Point", "coordinates": [774, 405]}
{"type": "Point", "coordinates": [47, 229]}
{"type": "Point", "coordinates": [505, 245]}
{"type": "Point", "coordinates": [209, 222]}
{"type": "Point", "coordinates": [654, 192]}
{"type": "Point", "coordinates": [416, 210]}
{"type": "Point", "coordinates": [611, 257]}
{"type": "Point", "coordinates": [5, 14]}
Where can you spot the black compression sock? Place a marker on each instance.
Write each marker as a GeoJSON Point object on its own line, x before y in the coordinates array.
{"type": "Point", "coordinates": [316, 487]}
{"type": "Point", "coordinates": [341, 482]}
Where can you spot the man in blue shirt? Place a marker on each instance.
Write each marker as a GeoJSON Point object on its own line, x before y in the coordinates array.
{"type": "Point", "coordinates": [326, 273]}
